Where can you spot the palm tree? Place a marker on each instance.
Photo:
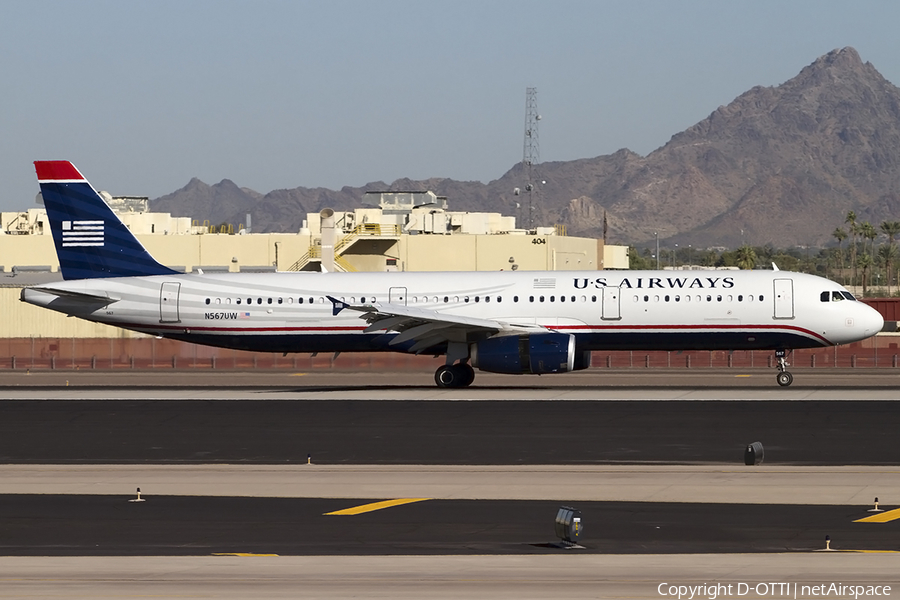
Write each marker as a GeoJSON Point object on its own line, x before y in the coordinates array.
{"type": "Point", "coordinates": [840, 235]}
{"type": "Point", "coordinates": [745, 257]}
{"type": "Point", "coordinates": [887, 254]}
{"type": "Point", "coordinates": [854, 230]}
{"type": "Point", "coordinates": [864, 262]}
{"type": "Point", "coordinates": [870, 233]}
{"type": "Point", "coordinates": [890, 229]}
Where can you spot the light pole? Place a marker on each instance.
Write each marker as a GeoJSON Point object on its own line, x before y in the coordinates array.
{"type": "Point", "coordinates": [690, 256]}
{"type": "Point", "coordinates": [674, 252]}
{"type": "Point", "coordinates": [656, 233]}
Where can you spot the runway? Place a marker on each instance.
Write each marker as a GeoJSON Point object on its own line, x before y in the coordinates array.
{"type": "Point", "coordinates": [654, 462]}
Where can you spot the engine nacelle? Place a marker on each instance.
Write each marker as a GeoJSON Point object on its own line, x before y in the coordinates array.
{"type": "Point", "coordinates": [536, 353]}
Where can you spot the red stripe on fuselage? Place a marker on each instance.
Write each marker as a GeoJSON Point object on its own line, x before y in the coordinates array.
{"type": "Point", "coordinates": [50, 170]}
{"type": "Point", "coordinates": [568, 328]}
{"type": "Point", "coordinates": [749, 328]}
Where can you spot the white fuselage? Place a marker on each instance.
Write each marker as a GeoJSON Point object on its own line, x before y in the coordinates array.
{"type": "Point", "coordinates": [653, 310]}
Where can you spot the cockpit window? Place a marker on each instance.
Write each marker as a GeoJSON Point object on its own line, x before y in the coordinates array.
{"type": "Point", "coordinates": [835, 296]}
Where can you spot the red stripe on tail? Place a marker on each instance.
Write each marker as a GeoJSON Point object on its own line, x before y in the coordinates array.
{"type": "Point", "coordinates": [49, 170]}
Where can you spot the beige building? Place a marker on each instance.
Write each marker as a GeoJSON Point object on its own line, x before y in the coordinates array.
{"type": "Point", "coordinates": [405, 231]}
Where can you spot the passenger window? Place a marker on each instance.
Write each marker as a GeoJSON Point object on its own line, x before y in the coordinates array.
{"type": "Point", "coordinates": [677, 298]}
{"type": "Point", "coordinates": [593, 298]}
{"type": "Point", "coordinates": [646, 298]}
{"type": "Point", "coordinates": [290, 300]}
{"type": "Point", "coordinates": [300, 300]}
{"type": "Point", "coordinates": [477, 298]}
{"type": "Point", "coordinates": [446, 299]}
{"type": "Point", "coordinates": [542, 298]}
{"type": "Point", "coordinates": [584, 298]}
{"type": "Point", "coordinates": [531, 298]}
{"type": "Point", "coordinates": [515, 298]}
{"type": "Point", "coordinates": [656, 298]}
{"type": "Point", "coordinates": [636, 299]}
{"type": "Point", "coordinates": [499, 298]}
{"type": "Point", "coordinates": [562, 298]}
{"type": "Point", "coordinates": [573, 298]}
{"type": "Point", "coordinates": [466, 298]}
{"type": "Point", "coordinates": [552, 298]}
{"type": "Point", "coordinates": [269, 301]}
{"type": "Point", "coordinates": [740, 298]}
{"type": "Point", "coordinates": [280, 300]}
{"type": "Point", "coordinates": [760, 297]}
{"type": "Point", "coordinates": [238, 301]}
{"type": "Point", "coordinates": [207, 300]}
{"type": "Point", "coordinates": [709, 298]}
{"type": "Point", "coordinates": [687, 298]}
{"type": "Point", "coordinates": [487, 298]}
{"type": "Point", "coordinates": [227, 300]}
{"type": "Point", "coordinates": [719, 298]}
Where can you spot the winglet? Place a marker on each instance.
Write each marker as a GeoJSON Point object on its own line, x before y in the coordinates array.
{"type": "Point", "coordinates": [337, 305]}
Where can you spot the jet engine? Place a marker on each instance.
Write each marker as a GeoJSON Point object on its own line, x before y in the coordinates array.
{"type": "Point", "coordinates": [536, 353]}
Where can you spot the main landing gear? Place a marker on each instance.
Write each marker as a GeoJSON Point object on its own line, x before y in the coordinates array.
{"type": "Point", "coordinates": [784, 378]}
{"type": "Point", "coordinates": [454, 376]}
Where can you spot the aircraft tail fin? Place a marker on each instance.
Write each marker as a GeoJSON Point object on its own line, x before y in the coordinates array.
{"type": "Point", "coordinates": [91, 241]}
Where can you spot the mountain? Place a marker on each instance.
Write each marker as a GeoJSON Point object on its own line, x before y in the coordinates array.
{"type": "Point", "coordinates": [779, 165]}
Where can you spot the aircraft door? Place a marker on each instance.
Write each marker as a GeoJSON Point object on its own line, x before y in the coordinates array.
{"type": "Point", "coordinates": [784, 298]}
{"type": "Point", "coordinates": [168, 302]}
{"type": "Point", "coordinates": [611, 303]}
{"type": "Point", "coordinates": [397, 295]}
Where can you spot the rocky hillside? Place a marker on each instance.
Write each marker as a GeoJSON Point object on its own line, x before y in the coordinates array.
{"type": "Point", "coordinates": [784, 164]}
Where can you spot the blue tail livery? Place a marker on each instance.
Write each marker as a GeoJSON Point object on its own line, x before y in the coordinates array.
{"type": "Point", "coordinates": [91, 241]}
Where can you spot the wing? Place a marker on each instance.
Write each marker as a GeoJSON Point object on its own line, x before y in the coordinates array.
{"type": "Point", "coordinates": [428, 328]}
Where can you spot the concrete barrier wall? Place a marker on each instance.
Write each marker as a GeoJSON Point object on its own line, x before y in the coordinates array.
{"type": "Point", "coordinates": [150, 353]}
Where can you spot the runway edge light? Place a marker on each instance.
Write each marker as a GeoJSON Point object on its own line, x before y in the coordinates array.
{"type": "Point", "coordinates": [138, 499]}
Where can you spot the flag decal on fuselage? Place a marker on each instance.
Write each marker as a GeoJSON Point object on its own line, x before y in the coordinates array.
{"type": "Point", "coordinates": [82, 233]}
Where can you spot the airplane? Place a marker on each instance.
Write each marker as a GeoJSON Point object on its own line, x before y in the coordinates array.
{"type": "Point", "coordinates": [517, 322]}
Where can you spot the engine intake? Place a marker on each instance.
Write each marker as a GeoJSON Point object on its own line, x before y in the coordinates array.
{"type": "Point", "coordinates": [536, 353]}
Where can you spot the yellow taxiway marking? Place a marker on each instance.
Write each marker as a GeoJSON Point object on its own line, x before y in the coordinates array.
{"type": "Point", "coordinates": [297, 374]}
{"type": "Point", "coordinates": [743, 375]}
{"type": "Point", "coordinates": [240, 554]}
{"type": "Point", "coordinates": [358, 510]}
{"type": "Point", "coordinates": [889, 515]}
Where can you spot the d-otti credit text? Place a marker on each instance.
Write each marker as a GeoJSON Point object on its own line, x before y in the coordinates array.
{"type": "Point", "coordinates": [772, 590]}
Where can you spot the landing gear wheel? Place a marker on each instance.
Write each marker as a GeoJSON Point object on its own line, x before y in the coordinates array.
{"type": "Point", "coordinates": [468, 374]}
{"type": "Point", "coordinates": [454, 376]}
{"type": "Point", "coordinates": [447, 376]}
{"type": "Point", "coordinates": [784, 379]}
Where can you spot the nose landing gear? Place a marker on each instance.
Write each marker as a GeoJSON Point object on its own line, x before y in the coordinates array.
{"type": "Point", "coordinates": [784, 378]}
{"type": "Point", "coordinates": [454, 376]}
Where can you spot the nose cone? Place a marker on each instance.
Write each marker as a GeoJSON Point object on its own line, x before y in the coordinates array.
{"type": "Point", "coordinates": [870, 321]}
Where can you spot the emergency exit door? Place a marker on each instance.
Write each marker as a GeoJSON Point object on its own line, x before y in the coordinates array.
{"type": "Point", "coordinates": [611, 303]}
{"type": "Point", "coordinates": [168, 302]}
{"type": "Point", "coordinates": [784, 298]}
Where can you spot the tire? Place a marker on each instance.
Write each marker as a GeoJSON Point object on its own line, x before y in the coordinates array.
{"type": "Point", "coordinates": [784, 379]}
{"type": "Point", "coordinates": [467, 375]}
{"type": "Point", "coordinates": [447, 376]}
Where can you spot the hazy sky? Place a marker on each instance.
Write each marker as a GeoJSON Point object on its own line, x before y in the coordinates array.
{"type": "Point", "coordinates": [142, 96]}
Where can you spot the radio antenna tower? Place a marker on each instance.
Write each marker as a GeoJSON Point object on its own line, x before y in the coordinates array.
{"type": "Point", "coordinates": [531, 154]}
